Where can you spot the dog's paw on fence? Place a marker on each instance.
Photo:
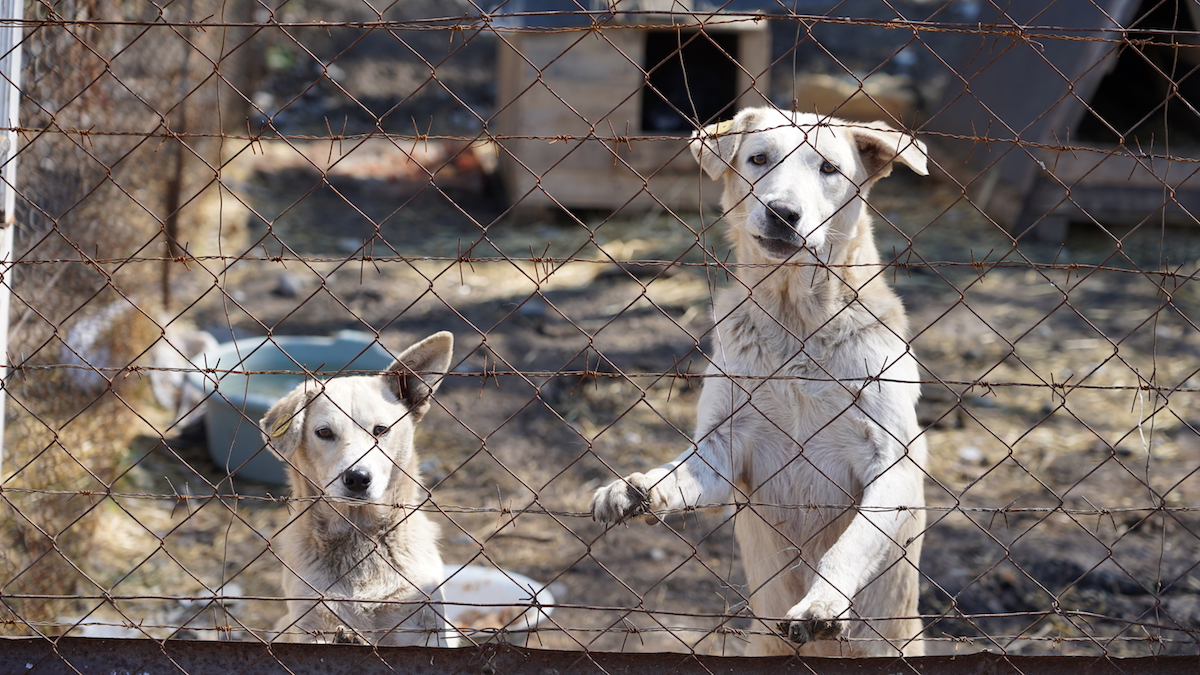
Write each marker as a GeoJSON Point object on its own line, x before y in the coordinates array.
{"type": "Point", "coordinates": [621, 500]}
{"type": "Point", "coordinates": [815, 622]}
{"type": "Point", "coordinates": [803, 631]}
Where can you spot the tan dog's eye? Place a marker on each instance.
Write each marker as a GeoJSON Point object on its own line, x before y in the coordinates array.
{"type": "Point", "coordinates": [325, 432]}
{"type": "Point", "coordinates": [379, 430]}
{"type": "Point", "coordinates": [826, 167]}
{"type": "Point", "coordinates": [758, 159]}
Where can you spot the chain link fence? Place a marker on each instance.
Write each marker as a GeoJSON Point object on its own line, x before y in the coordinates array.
{"type": "Point", "coordinates": [219, 199]}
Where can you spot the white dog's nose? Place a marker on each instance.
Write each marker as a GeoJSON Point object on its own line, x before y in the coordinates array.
{"type": "Point", "coordinates": [356, 480]}
{"type": "Point", "coordinates": [784, 213]}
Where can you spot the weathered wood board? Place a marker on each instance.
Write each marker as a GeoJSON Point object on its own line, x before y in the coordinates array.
{"type": "Point", "coordinates": [564, 95]}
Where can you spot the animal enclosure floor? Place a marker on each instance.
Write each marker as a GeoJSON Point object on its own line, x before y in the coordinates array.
{"type": "Point", "coordinates": [1035, 401]}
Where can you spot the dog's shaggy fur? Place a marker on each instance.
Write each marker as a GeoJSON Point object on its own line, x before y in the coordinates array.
{"type": "Point", "coordinates": [812, 418]}
{"type": "Point", "coordinates": [361, 564]}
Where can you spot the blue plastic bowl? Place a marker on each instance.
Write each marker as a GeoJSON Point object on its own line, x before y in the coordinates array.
{"type": "Point", "coordinates": [236, 401]}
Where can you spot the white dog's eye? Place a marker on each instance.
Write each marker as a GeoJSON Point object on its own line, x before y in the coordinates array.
{"type": "Point", "coordinates": [325, 432]}
{"type": "Point", "coordinates": [827, 167]}
{"type": "Point", "coordinates": [379, 430]}
{"type": "Point", "coordinates": [758, 159]}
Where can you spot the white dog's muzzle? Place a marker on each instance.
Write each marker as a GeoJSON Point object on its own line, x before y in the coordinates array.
{"type": "Point", "coordinates": [780, 230]}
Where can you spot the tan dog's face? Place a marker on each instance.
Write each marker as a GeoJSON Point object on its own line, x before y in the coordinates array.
{"type": "Point", "coordinates": [794, 181]}
{"type": "Point", "coordinates": [352, 437]}
{"type": "Point", "coordinates": [354, 433]}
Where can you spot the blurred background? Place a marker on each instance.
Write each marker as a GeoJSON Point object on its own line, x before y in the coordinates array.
{"type": "Point", "coordinates": [199, 182]}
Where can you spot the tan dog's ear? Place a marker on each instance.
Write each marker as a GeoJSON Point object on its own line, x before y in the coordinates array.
{"type": "Point", "coordinates": [879, 145]}
{"type": "Point", "coordinates": [417, 373]}
{"type": "Point", "coordinates": [282, 425]}
{"type": "Point", "coordinates": [716, 145]}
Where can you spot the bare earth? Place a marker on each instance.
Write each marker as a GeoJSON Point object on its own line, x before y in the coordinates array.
{"type": "Point", "coordinates": [1044, 496]}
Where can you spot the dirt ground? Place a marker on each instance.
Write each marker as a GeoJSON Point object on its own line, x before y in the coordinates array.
{"type": "Point", "coordinates": [1059, 483]}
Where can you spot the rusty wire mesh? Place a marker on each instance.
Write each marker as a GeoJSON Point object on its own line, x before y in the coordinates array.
{"type": "Point", "coordinates": [518, 174]}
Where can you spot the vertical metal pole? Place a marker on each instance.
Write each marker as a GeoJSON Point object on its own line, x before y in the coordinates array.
{"type": "Point", "coordinates": [11, 34]}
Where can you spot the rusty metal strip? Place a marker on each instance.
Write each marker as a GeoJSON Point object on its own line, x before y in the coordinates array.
{"type": "Point", "coordinates": [72, 656]}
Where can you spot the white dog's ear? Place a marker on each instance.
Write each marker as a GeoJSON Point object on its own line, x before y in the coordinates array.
{"type": "Point", "coordinates": [282, 425]}
{"type": "Point", "coordinates": [716, 145]}
{"type": "Point", "coordinates": [879, 145]}
{"type": "Point", "coordinates": [417, 373]}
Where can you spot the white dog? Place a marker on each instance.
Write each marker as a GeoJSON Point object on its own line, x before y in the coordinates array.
{"type": "Point", "coordinates": [810, 420]}
{"type": "Point", "coordinates": [360, 562]}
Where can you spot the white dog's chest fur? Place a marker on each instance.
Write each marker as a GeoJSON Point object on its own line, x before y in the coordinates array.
{"type": "Point", "coordinates": [377, 574]}
{"type": "Point", "coordinates": [804, 393]}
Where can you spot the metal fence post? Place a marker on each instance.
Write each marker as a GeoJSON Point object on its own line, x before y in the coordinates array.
{"type": "Point", "coordinates": [11, 13]}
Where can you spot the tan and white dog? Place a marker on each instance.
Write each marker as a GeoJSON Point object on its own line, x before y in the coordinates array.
{"type": "Point", "coordinates": [360, 562]}
{"type": "Point", "coordinates": [810, 417]}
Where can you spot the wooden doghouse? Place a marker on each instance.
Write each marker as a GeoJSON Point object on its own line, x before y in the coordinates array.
{"type": "Point", "coordinates": [599, 118]}
{"type": "Point", "coordinates": [1031, 99]}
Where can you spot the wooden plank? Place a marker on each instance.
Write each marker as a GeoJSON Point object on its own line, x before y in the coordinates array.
{"type": "Point", "coordinates": [611, 189]}
{"type": "Point", "coordinates": [72, 655]}
{"type": "Point", "coordinates": [555, 108]}
{"type": "Point", "coordinates": [593, 86]}
{"type": "Point", "coordinates": [1013, 89]}
{"type": "Point", "coordinates": [1115, 167]}
{"type": "Point", "coordinates": [1111, 204]}
{"type": "Point", "coordinates": [754, 56]}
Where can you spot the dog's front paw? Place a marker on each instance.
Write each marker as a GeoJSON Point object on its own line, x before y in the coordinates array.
{"type": "Point", "coordinates": [811, 621]}
{"type": "Point", "coordinates": [622, 499]}
{"type": "Point", "coordinates": [347, 636]}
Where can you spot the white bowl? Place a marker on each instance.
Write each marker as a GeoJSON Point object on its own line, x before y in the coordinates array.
{"type": "Point", "coordinates": [485, 604]}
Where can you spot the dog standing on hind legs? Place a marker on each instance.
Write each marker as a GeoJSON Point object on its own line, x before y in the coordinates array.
{"type": "Point", "coordinates": [361, 563]}
{"type": "Point", "coordinates": [810, 417]}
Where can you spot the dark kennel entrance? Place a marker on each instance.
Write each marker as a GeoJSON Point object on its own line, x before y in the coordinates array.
{"type": "Point", "coordinates": [691, 78]}
{"type": "Point", "coordinates": [624, 104]}
{"type": "Point", "coordinates": [1152, 95]}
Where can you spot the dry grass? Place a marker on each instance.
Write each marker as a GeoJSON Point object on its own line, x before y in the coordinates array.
{"type": "Point", "coordinates": [90, 207]}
